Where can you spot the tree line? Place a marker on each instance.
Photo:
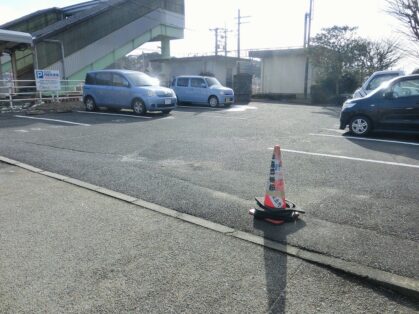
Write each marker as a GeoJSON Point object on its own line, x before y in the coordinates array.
{"type": "Point", "coordinates": [342, 59]}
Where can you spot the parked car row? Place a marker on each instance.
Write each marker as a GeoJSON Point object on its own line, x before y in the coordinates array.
{"type": "Point", "coordinates": [138, 91]}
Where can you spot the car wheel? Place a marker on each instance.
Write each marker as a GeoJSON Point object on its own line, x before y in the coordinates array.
{"type": "Point", "coordinates": [90, 104]}
{"type": "Point", "coordinates": [213, 101]}
{"type": "Point", "coordinates": [138, 107]}
{"type": "Point", "coordinates": [360, 125]}
{"type": "Point", "coordinates": [166, 111]}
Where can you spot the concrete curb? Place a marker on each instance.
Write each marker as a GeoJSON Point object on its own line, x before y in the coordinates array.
{"type": "Point", "coordinates": [403, 285]}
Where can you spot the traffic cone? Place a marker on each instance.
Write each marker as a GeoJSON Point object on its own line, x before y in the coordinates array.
{"type": "Point", "coordinates": [275, 190]}
{"type": "Point", "coordinates": [274, 207]}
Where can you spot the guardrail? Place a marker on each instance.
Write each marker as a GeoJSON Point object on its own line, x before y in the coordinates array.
{"type": "Point", "coordinates": [15, 93]}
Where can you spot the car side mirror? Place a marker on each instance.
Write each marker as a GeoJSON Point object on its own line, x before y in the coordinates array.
{"type": "Point", "coordinates": [203, 85]}
{"type": "Point", "coordinates": [389, 95]}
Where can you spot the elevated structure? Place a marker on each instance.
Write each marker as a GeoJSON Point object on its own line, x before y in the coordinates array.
{"type": "Point", "coordinates": [93, 35]}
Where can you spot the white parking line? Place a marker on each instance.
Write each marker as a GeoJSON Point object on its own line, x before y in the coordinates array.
{"type": "Point", "coordinates": [198, 107]}
{"type": "Point", "coordinates": [115, 114]}
{"type": "Point", "coordinates": [54, 120]}
{"type": "Point", "coordinates": [366, 139]}
{"type": "Point", "coordinates": [223, 117]}
{"type": "Point", "coordinates": [349, 158]}
{"type": "Point", "coordinates": [240, 108]}
{"type": "Point", "coordinates": [336, 130]}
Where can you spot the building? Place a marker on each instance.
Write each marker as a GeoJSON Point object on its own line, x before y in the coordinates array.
{"type": "Point", "coordinates": [222, 67]}
{"type": "Point", "coordinates": [283, 71]}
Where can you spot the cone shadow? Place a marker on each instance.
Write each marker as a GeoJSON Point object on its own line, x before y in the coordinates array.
{"type": "Point", "coordinates": [276, 263]}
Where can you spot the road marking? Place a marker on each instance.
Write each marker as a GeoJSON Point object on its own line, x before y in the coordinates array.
{"type": "Point", "coordinates": [115, 114]}
{"type": "Point", "coordinates": [349, 158]}
{"type": "Point", "coordinates": [334, 130]}
{"type": "Point", "coordinates": [240, 108]}
{"type": "Point", "coordinates": [366, 139]}
{"type": "Point", "coordinates": [223, 117]}
{"type": "Point", "coordinates": [54, 120]}
{"type": "Point", "coordinates": [199, 107]}
{"type": "Point", "coordinates": [234, 108]}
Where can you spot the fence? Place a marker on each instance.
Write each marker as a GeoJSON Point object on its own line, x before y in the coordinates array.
{"type": "Point", "coordinates": [23, 93]}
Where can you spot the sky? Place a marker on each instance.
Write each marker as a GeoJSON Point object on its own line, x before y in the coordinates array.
{"type": "Point", "coordinates": [271, 23]}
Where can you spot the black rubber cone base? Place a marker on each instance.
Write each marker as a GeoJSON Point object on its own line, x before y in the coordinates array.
{"type": "Point", "coordinates": [285, 216]}
{"type": "Point", "coordinates": [291, 207]}
{"type": "Point", "coordinates": [257, 215]}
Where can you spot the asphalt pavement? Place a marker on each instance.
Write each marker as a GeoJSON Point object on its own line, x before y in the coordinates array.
{"type": "Point", "coordinates": [361, 196]}
{"type": "Point", "coordinates": [67, 249]}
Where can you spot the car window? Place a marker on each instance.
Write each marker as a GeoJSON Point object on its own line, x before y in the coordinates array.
{"type": "Point", "coordinates": [198, 82]}
{"type": "Point", "coordinates": [142, 79]}
{"type": "Point", "coordinates": [378, 80]}
{"type": "Point", "coordinates": [104, 78]}
{"type": "Point", "coordinates": [90, 79]}
{"type": "Point", "coordinates": [182, 82]}
{"type": "Point", "coordinates": [212, 81]}
{"type": "Point", "coordinates": [406, 88]}
{"type": "Point", "coordinates": [120, 81]}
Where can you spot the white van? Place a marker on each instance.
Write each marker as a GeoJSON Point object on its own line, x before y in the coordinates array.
{"type": "Point", "coordinates": [196, 89]}
{"type": "Point", "coordinates": [375, 80]}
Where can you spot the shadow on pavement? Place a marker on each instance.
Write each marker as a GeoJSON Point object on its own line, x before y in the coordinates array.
{"type": "Point", "coordinates": [410, 151]}
{"type": "Point", "coordinates": [10, 120]}
{"type": "Point", "coordinates": [329, 111]}
{"type": "Point", "coordinates": [275, 263]}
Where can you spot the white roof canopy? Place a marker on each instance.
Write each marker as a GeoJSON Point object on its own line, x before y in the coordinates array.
{"type": "Point", "coordinates": [13, 39]}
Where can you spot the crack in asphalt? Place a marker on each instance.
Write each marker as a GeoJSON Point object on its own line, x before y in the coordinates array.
{"type": "Point", "coordinates": [70, 149]}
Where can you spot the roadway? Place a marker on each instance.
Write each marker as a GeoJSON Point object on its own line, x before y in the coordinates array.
{"type": "Point", "coordinates": [361, 195]}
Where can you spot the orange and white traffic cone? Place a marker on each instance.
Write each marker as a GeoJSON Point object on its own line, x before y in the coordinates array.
{"type": "Point", "coordinates": [275, 190]}
{"type": "Point", "coordinates": [274, 207]}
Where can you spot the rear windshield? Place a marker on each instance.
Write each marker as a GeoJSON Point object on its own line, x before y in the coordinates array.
{"type": "Point", "coordinates": [377, 81]}
{"type": "Point", "coordinates": [142, 79]}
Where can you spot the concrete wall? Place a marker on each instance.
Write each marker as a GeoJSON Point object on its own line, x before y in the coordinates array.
{"type": "Point", "coordinates": [222, 68]}
{"type": "Point", "coordinates": [284, 74]}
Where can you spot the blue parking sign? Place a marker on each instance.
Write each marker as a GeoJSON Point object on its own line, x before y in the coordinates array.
{"type": "Point", "coordinates": [39, 74]}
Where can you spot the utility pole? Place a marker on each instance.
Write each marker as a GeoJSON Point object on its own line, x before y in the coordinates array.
{"type": "Point", "coordinates": [215, 30]}
{"type": "Point", "coordinates": [307, 35]}
{"type": "Point", "coordinates": [220, 39]}
{"type": "Point", "coordinates": [239, 22]}
{"type": "Point", "coordinates": [225, 40]}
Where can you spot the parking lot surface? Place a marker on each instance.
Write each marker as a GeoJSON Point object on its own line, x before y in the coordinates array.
{"type": "Point", "coordinates": [361, 195]}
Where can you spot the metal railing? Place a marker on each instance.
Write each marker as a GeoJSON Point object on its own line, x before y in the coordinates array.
{"type": "Point", "coordinates": [18, 93]}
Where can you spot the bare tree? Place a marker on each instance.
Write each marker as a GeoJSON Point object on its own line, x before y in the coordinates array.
{"type": "Point", "coordinates": [337, 52]}
{"type": "Point", "coordinates": [407, 12]}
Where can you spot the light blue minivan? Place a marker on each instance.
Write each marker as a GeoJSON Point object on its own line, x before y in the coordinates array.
{"type": "Point", "coordinates": [127, 89]}
{"type": "Point", "coordinates": [201, 90]}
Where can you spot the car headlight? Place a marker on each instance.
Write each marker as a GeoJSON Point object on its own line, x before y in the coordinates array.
{"type": "Point", "coordinates": [348, 105]}
{"type": "Point", "coordinates": [221, 92]}
{"type": "Point", "coordinates": [151, 93]}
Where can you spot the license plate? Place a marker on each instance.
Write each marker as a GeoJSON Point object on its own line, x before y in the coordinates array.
{"type": "Point", "coordinates": [167, 101]}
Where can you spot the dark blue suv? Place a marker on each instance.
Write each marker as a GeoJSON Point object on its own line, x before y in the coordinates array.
{"type": "Point", "coordinates": [392, 106]}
